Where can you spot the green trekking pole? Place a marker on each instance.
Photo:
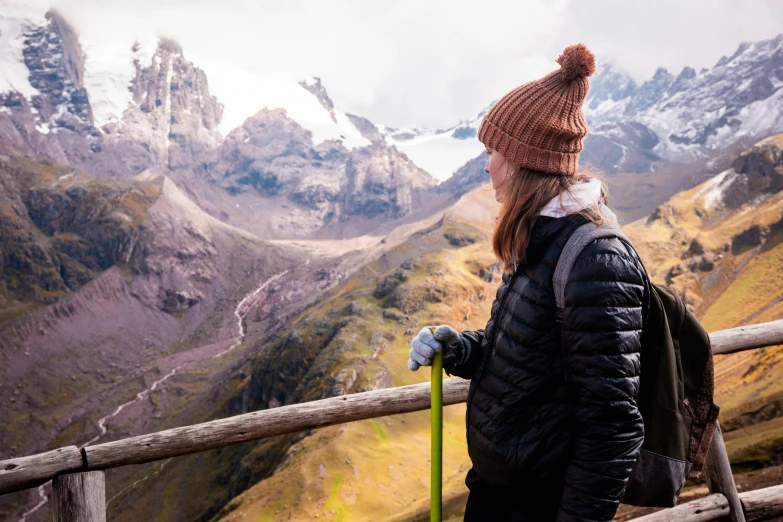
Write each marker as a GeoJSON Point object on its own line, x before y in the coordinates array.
{"type": "Point", "coordinates": [436, 428]}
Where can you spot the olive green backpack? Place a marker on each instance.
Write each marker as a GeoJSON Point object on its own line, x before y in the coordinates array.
{"type": "Point", "coordinates": [676, 384]}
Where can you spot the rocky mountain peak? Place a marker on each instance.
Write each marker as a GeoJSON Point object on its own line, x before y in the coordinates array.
{"type": "Point", "coordinates": [56, 64]}
{"type": "Point", "coordinates": [682, 79]}
{"type": "Point", "coordinates": [319, 164]}
{"type": "Point", "coordinates": [272, 156]}
{"type": "Point", "coordinates": [58, 93]}
{"type": "Point", "coordinates": [690, 116]}
{"type": "Point", "coordinates": [172, 111]}
{"type": "Point", "coordinates": [53, 68]}
{"type": "Point", "coordinates": [650, 91]}
{"type": "Point", "coordinates": [608, 83]}
{"type": "Point", "coordinates": [314, 86]}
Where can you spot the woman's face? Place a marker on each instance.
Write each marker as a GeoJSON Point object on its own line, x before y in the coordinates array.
{"type": "Point", "coordinates": [500, 171]}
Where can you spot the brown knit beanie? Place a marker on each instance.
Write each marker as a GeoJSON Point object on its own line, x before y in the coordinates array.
{"type": "Point", "coordinates": [540, 125]}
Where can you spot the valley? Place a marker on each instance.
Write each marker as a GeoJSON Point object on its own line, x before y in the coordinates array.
{"type": "Point", "coordinates": [160, 268]}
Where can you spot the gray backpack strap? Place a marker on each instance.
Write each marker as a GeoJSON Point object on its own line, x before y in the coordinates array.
{"type": "Point", "coordinates": [581, 237]}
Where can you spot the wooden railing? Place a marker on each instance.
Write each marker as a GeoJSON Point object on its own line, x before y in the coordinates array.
{"type": "Point", "coordinates": [79, 484]}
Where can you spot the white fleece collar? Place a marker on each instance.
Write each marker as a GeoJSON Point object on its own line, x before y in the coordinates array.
{"type": "Point", "coordinates": [581, 195]}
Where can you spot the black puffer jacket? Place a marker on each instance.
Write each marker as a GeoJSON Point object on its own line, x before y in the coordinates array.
{"type": "Point", "coordinates": [553, 404]}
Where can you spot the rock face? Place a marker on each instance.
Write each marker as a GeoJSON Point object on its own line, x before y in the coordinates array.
{"type": "Point", "coordinates": [61, 229]}
{"type": "Point", "coordinates": [173, 116]}
{"type": "Point", "coordinates": [55, 120]}
{"type": "Point", "coordinates": [316, 88]}
{"type": "Point", "coordinates": [383, 182]}
{"type": "Point", "coordinates": [760, 171]}
{"type": "Point", "coordinates": [54, 58]}
{"type": "Point", "coordinates": [271, 156]}
{"type": "Point", "coordinates": [684, 117]}
{"type": "Point", "coordinates": [466, 177]}
{"type": "Point", "coordinates": [170, 122]}
{"type": "Point", "coordinates": [367, 128]}
{"type": "Point", "coordinates": [754, 176]}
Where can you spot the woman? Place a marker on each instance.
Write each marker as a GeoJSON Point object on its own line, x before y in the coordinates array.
{"type": "Point", "coordinates": [552, 424]}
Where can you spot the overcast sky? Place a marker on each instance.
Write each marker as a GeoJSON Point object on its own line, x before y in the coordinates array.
{"type": "Point", "coordinates": [422, 62]}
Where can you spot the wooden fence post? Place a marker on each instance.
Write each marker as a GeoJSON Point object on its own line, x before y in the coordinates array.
{"type": "Point", "coordinates": [80, 497]}
{"type": "Point", "coordinates": [719, 477]}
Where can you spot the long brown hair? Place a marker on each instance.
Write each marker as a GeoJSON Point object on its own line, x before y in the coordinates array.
{"type": "Point", "coordinates": [529, 191]}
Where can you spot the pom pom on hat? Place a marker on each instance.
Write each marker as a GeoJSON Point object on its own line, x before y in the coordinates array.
{"type": "Point", "coordinates": [576, 61]}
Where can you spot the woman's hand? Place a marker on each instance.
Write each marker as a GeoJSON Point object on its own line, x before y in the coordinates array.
{"type": "Point", "coordinates": [427, 343]}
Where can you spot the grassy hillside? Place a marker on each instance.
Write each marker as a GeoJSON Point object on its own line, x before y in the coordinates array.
{"type": "Point", "coordinates": [60, 228]}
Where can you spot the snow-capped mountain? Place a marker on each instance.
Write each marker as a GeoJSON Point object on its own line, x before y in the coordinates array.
{"type": "Point", "coordinates": [440, 152]}
{"type": "Point", "coordinates": [306, 187]}
{"type": "Point", "coordinates": [41, 83]}
{"type": "Point", "coordinates": [668, 118]}
{"type": "Point", "coordinates": [148, 107]}
{"type": "Point", "coordinates": [685, 117]}
{"type": "Point", "coordinates": [142, 90]}
{"type": "Point", "coordinates": [116, 110]}
{"type": "Point", "coordinates": [170, 112]}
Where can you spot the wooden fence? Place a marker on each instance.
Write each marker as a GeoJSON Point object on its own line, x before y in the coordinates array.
{"type": "Point", "coordinates": [79, 484]}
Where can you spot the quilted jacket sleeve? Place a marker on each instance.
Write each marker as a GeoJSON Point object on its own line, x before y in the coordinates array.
{"type": "Point", "coordinates": [471, 346]}
{"type": "Point", "coordinates": [601, 333]}
{"type": "Point", "coordinates": [472, 341]}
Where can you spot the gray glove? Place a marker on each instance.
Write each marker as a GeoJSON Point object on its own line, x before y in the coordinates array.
{"type": "Point", "coordinates": [426, 344]}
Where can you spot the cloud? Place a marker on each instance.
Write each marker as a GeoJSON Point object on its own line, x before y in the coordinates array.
{"type": "Point", "coordinates": [425, 62]}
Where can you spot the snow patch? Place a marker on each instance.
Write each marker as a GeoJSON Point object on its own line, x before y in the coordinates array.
{"type": "Point", "coordinates": [167, 93]}
{"type": "Point", "coordinates": [607, 108]}
{"type": "Point", "coordinates": [762, 116]}
{"type": "Point", "coordinates": [108, 73]}
{"type": "Point", "coordinates": [16, 20]}
{"type": "Point", "coordinates": [351, 136]}
{"type": "Point", "coordinates": [439, 154]}
{"type": "Point", "coordinates": [311, 81]}
{"type": "Point", "coordinates": [712, 190]}
{"type": "Point", "coordinates": [250, 93]}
